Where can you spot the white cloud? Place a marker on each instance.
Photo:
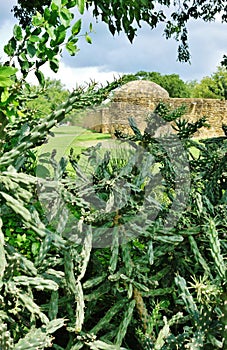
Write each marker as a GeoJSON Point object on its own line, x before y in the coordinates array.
{"type": "Point", "coordinates": [72, 77]}
{"type": "Point", "coordinates": [150, 51]}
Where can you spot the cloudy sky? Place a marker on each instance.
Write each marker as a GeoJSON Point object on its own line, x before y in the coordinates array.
{"type": "Point", "coordinates": [110, 56]}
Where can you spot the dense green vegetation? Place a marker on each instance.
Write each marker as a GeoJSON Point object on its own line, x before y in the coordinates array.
{"type": "Point", "coordinates": [103, 249]}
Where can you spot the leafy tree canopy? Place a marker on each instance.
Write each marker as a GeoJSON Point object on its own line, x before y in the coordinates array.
{"type": "Point", "coordinates": [47, 99]}
{"type": "Point", "coordinates": [172, 83]}
{"type": "Point", "coordinates": [123, 15]}
{"type": "Point", "coordinates": [214, 86]}
{"type": "Point", "coordinates": [175, 86]}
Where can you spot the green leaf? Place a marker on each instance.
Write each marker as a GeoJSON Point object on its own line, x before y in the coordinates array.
{"type": "Point", "coordinates": [60, 34]}
{"type": "Point", "coordinates": [66, 17]}
{"type": "Point", "coordinates": [10, 48]}
{"type": "Point", "coordinates": [71, 48]}
{"type": "Point", "coordinates": [31, 50]}
{"type": "Point", "coordinates": [36, 31]}
{"type": "Point", "coordinates": [24, 64]}
{"type": "Point", "coordinates": [4, 95]}
{"type": "Point", "coordinates": [37, 20]}
{"type": "Point", "coordinates": [44, 38]}
{"type": "Point", "coordinates": [81, 6]}
{"type": "Point", "coordinates": [5, 74]}
{"type": "Point", "coordinates": [47, 14]}
{"type": "Point", "coordinates": [6, 71]}
{"type": "Point", "coordinates": [66, 14]}
{"type": "Point", "coordinates": [88, 39]}
{"type": "Point", "coordinates": [54, 65]}
{"type": "Point", "coordinates": [40, 77]}
{"type": "Point", "coordinates": [53, 18]}
{"type": "Point", "coordinates": [76, 27]}
{"type": "Point", "coordinates": [73, 39]}
{"type": "Point", "coordinates": [34, 38]}
{"type": "Point", "coordinates": [71, 3]}
{"type": "Point", "coordinates": [51, 32]}
{"type": "Point", "coordinates": [17, 32]}
{"type": "Point", "coordinates": [54, 7]}
{"type": "Point", "coordinates": [50, 54]}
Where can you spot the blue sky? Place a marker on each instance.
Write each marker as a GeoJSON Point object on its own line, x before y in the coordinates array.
{"type": "Point", "coordinates": [110, 56]}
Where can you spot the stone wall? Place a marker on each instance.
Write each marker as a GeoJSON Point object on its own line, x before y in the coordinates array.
{"type": "Point", "coordinates": [215, 112]}
{"type": "Point", "coordinates": [115, 116]}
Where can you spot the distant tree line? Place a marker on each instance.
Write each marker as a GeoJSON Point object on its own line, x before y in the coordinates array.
{"type": "Point", "coordinates": [172, 83]}
{"type": "Point", "coordinates": [214, 86]}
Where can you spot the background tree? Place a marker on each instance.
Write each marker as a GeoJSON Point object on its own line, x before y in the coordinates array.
{"type": "Point", "coordinates": [175, 86]}
{"type": "Point", "coordinates": [48, 98]}
{"type": "Point", "coordinates": [122, 16]}
{"type": "Point", "coordinates": [202, 89]}
{"type": "Point", "coordinates": [214, 86]}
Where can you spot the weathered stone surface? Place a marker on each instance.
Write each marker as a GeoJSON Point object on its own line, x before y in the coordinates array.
{"type": "Point", "coordinates": [139, 91]}
{"type": "Point", "coordinates": [138, 99]}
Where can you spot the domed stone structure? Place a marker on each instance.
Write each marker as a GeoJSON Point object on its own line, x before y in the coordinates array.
{"type": "Point", "coordinates": [139, 98]}
{"type": "Point", "coordinates": [139, 89]}
{"type": "Point", "coordinates": [134, 99]}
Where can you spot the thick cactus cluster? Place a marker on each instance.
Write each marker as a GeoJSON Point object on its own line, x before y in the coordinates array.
{"type": "Point", "coordinates": [152, 287]}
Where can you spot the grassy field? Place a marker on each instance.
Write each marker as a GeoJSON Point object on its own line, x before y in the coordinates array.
{"type": "Point", "coordinates": [78, 138]}
{"type": "Point", "coordinates": [75, 137]}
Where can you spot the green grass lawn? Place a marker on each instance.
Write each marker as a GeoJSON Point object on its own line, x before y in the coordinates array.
{"type": "Point", "coordinates": [78, 138]}
{"type": "Point", "coordinates": [67, 137]}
